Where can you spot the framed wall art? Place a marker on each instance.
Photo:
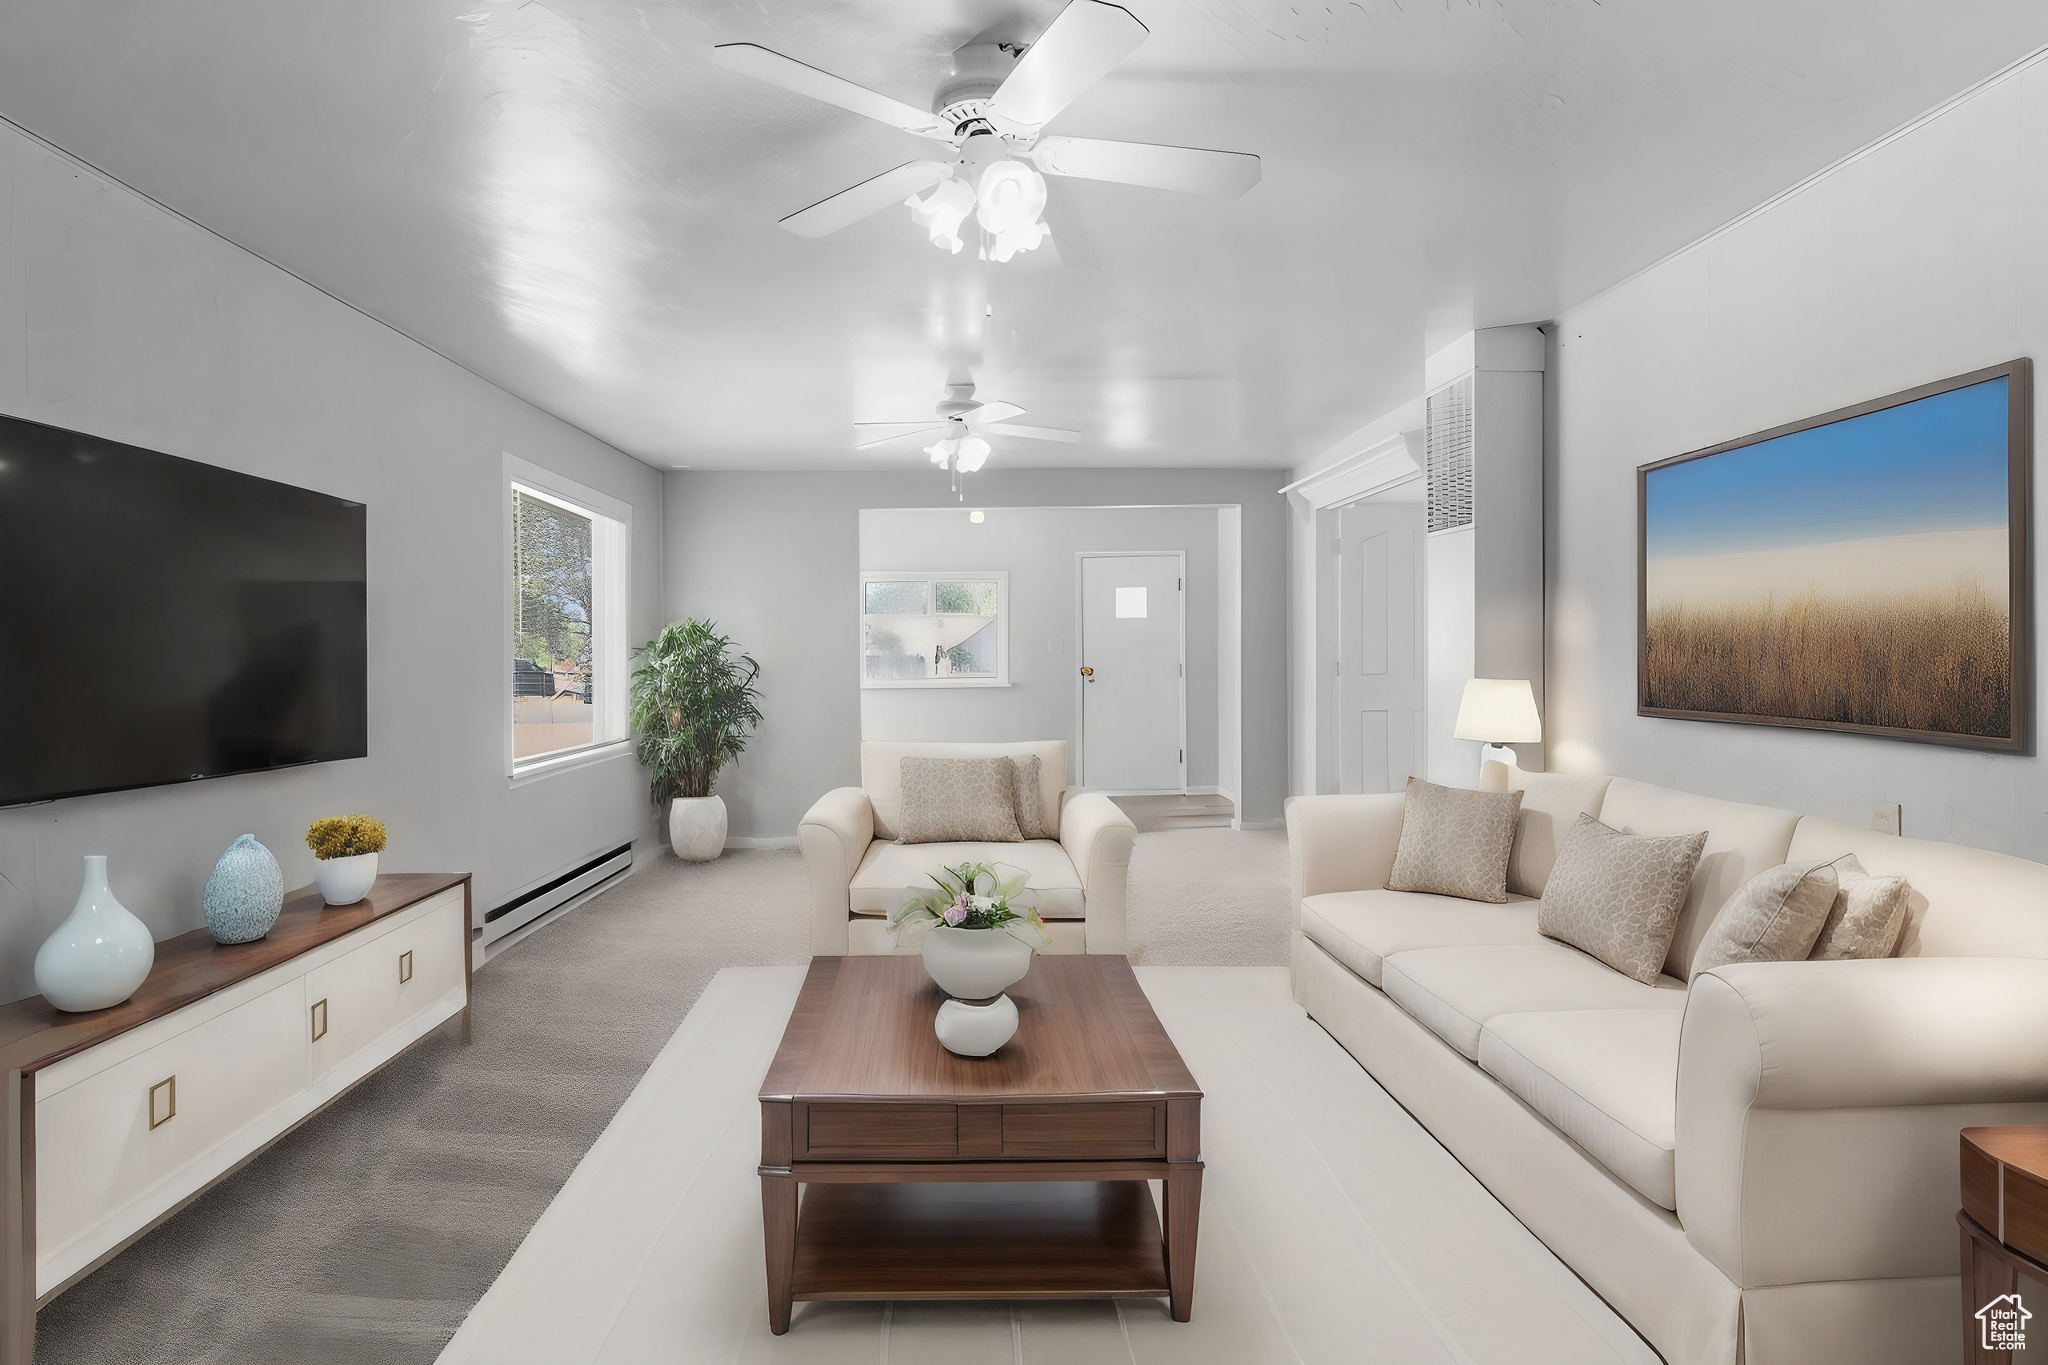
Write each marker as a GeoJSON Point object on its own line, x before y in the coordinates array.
{"type": "Point", "coordinates": [1866, 570]}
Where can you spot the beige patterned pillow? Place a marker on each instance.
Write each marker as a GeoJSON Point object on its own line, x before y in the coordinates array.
{"type": "Point", "coordinates": [1617, 896]}
{"type": "Point", "coordinates": [1455, 842]}
{"type": "Point", "coordinates": [948, 799]}
{"type": "Point", "coordinates": [1867, 916]}
{"type": "Point", "coordinates": [1773, 917]}
{"type": "Point", "coordinates": [1026, 800]}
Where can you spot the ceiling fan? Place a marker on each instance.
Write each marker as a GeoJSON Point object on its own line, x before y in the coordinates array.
{"type": "Point", "coordinates": [991, 110]}
{"type": "Point", "coordinates": [964, 426]}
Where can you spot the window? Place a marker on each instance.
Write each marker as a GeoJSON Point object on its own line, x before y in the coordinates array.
{"type": "Point", "coordinates": [934, 630]}
{"type": "Point", "coordinates": [567, 593]}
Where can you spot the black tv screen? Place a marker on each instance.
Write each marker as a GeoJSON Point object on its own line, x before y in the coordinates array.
{"type": "Point", "coordinates": [165, 620]}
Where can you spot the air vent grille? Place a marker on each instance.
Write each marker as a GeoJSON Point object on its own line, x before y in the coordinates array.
{"type": "Point", "coordinates": [1447, 451]}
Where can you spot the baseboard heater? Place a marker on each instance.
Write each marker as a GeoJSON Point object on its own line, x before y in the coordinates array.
{"type": "Point", "coordinates": [529, 906]}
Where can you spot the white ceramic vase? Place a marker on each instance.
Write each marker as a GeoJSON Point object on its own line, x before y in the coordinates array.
{"type": "Point", "coordinates": [696, 827]}
{"type": "Point", "coordinates": [975, 964]}
{"type": "Point", "coordinates": [976, 1030]}
{"type": "Point", "coordinates": [344, 881]}
{"type": "Point", "coordinates": [99, 954]}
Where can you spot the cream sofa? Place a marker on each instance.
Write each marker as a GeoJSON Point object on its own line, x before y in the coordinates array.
{"type": "Point", "coordinates": [1761, 1168]}
{"type": "Point", "coordinates": [859, 876]}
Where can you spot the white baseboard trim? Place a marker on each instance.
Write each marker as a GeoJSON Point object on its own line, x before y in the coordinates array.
{"type": "Point", "coordinates": [747, 841]}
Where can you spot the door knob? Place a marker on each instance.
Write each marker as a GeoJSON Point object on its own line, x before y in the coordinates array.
{"type": "Point", "coordinates": [1089, 674]}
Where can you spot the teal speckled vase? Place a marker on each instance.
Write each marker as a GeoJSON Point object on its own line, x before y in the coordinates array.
{"type": "Point", "coordinates": [245, 892]}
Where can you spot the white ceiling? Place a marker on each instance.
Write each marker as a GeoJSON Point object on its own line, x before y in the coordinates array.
{"type": "Point", "coordinates": [568, 198]}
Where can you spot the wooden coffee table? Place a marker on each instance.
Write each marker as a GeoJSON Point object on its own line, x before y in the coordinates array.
{"type": "Point", "coordinates": [1008, 1177]}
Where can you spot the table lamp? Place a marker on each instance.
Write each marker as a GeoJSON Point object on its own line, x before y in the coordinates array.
{"type": "Point", "coordinates": [1498, 712]}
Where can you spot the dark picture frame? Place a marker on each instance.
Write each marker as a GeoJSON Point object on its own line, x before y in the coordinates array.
{"type": "Point", "coordinates": [1669, 676]}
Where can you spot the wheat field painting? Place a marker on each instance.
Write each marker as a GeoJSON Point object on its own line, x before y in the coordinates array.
{"type": "Point", "coordinates": [1855, 573]}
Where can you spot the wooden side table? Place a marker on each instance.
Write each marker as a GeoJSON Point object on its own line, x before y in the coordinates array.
{"type": "Point", "coordinates": [2004, 1222]}
{"type": "Point", "coordinates": [929, 1176]}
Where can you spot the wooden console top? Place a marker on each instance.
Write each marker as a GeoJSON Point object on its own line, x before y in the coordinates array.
{"type": "Point", "coordinates": [33, 1033]}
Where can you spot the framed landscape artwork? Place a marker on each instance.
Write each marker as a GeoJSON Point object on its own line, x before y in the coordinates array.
{"type": "Point", "coordinates": [1866, 570]}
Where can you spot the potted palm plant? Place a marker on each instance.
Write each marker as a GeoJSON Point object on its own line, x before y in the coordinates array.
{"type": "Point", "coordinates": [694, 706]}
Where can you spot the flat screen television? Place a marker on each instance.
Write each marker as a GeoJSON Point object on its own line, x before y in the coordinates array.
{"type": "Point", "coordinates": [165, 620]}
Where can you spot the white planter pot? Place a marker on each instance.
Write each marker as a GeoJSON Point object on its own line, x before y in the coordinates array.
{"type": "Point", "coordinates": [976, 1030]}
{"type": "Point", "coordinates": [344, 881]}
{"type": "Point", "coordinates": [975, 964]}
{"type": "Point", "coordinates": [696, 828]}
{"type": "Point", "coordinates": [99, 954]}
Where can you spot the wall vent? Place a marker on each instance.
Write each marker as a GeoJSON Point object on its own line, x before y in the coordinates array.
{"type": "Point", "coordinates": [1447, 455]}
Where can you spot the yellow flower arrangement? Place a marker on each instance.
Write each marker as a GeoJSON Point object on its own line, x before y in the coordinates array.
{"type": "Point", "coordinates": [345, 836]}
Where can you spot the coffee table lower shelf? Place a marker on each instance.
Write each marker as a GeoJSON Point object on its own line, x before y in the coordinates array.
{"type": "Point", "coordinates": [1043, 1239]}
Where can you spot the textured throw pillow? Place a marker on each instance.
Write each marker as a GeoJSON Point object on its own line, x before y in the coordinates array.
{"type": "Point", "coordinates": [1867, 916]}
{"type": "Point", "coordinates": [948, 799]}
{"type": "Point", "coordinates": [1617, 896]}
{"type": "Point", "coordinates": [1775, 916]}
{"type": "Point", "coordinates": [1025, 799]}
{"type": "Point", "coordinates": [1455, 842]}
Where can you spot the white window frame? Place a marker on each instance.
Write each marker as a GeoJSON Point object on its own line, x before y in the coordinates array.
{"type": "Point", "coordinates": [1002, 582]}
{"type": "Point", "coordinates": [611, 543]}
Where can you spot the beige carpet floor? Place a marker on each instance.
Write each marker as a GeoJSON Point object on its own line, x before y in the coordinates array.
{"type": "Point", "coordinates": [367, 1235]}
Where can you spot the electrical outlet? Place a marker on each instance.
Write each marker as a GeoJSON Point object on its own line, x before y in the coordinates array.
{"type": "Point", "coordinates": [1886, 817]}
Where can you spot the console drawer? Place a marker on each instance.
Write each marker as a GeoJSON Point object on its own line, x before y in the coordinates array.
{"type": "Point", "coordinates": [96, 1150]}
{"type": "Point", "coordinates": [380, 984]}
{"type": "Point", "coordinates": [886, 1132]}
{"type": "Point", "coordinates": [1105, 1131]}
{"type": "Point", "coordinates": [1081, 1131]}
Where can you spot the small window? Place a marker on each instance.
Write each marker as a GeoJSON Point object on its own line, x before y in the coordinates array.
{"type": "Point", "coordinates": [934, 630]}
{"type": "Point", "coordinates": [567, 673]}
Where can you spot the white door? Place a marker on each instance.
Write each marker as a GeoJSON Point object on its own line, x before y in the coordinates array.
{"type": "Point", "coordinates": [1133, 730]}
{"type": "Point", "coordinates": [1379, 666]}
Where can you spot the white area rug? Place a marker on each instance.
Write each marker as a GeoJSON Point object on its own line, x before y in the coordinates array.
{"type": "Point", "coordinates": [1333, 1227]}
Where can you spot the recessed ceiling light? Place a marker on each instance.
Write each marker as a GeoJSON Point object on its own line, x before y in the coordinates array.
{"type": "Point", "coordinates": [975, 516]}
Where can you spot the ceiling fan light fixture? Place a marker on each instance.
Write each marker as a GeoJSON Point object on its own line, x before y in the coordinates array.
{"type": "Point", "coordinates": [1009, 198]}
{"type": "Point", "coordinates": [1008, 244]}
{"type": "Point", "coordinates": [943, 449]}
{"type": "Point", "coordinates": [973, 454]}
{"type": "Point", "coordinates": [941, 212]}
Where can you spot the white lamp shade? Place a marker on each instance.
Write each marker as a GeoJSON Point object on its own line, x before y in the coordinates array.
{"type": "Point", "coordinates": [1499, 711]}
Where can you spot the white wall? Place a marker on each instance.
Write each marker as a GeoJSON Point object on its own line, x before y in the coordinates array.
{"type": "Point", "coordinates": [124, 321]}
{"type": "Point", "coordinates": [1925, 257]}
{"type": "Point", "coordinates": [1449, 586]}
{"type": "Point", "coordinates": [774, 558]}
{"type": "Point", "coordinates": [1037, 546]}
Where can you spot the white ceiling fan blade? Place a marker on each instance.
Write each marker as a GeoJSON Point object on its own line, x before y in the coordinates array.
{"type": "Point", "coordinates": [1081, 46]}
{"type": "Point", "coordinates": [1191, 170]}
{"type": "Point", "coordinates": [869, 196]}
{"type": "Point", "coordinates": [776, 69]}
{"type": "Point", "coordinates": [996, 411]}
{"type": "Point", "coordinates": [1029, 433]}
{"type": "Point", "coordinates": [881, 433]}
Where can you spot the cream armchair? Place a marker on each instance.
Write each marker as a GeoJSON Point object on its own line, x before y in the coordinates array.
{"type": "Point", "coordinates": [860, 876]}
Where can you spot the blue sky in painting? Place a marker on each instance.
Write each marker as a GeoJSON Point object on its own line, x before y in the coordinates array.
{"type": "Point", "coordinates": [1935, 464]}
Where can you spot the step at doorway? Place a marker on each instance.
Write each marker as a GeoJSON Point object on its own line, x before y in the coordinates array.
{"type": "Point", "coordinates": [1151, 814]}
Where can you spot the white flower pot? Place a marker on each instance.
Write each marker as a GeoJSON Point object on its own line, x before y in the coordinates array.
{"type": "Point", "coordinates": [696, 828]}
{"type": "Point", "coordinates": [99, 954]}
{"type": "Point", "coordinates": [976, 1030]}
{"type": "Point", "coordinates": [975, 964]}
{"type": "Point", "coordinates": [344, 881]}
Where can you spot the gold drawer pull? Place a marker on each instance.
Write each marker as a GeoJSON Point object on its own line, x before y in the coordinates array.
{"type": "Point", "coordinates": [405, 966]}
{"type": "Point", "coordinates": [163, 1101]}
{"type": "Point", "coordinates": [319, 1019]}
